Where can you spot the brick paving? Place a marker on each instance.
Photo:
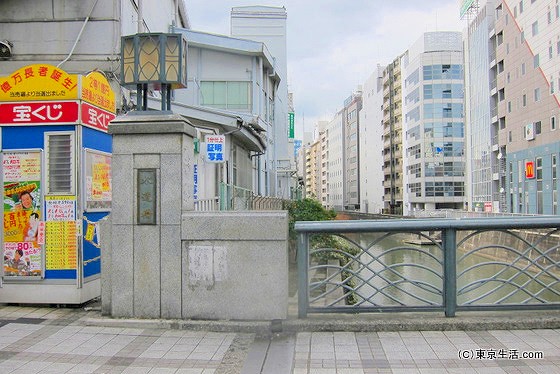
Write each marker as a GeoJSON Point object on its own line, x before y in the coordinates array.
{"type": "Point", "coordinates": [58, 340]}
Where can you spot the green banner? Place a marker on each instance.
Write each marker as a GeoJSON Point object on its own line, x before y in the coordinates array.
{"type": "Point", "coordinates": [292, 122]}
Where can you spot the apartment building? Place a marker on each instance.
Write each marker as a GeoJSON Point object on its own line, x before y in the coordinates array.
{"type": "Point", "coordinates": [434, 141]}
{"type": "Point", "coordinates": [392, 138]}
{"type": "Point", "coordinates": [313, 171]}
{"type": "Point", "coordinates": [335, 161]}
{"type": "Point", "coordinates": [527, 64]}
{"type": "Point", "coordinates": [351, 170]}
{"type": "Point", "coordinates": [371, 143]}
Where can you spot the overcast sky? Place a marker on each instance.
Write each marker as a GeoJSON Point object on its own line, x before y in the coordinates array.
{"type": "Point", "coordinates": [335, 45]}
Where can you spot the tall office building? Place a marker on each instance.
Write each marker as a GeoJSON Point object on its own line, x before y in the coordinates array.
{"type": "Point", "coordinates": [434, 163]}
{"type": "Point", "coordinates": [485, 183]}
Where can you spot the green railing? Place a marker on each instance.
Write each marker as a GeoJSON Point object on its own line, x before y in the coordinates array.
{"type": "Point", "coordinates": [446, 265]}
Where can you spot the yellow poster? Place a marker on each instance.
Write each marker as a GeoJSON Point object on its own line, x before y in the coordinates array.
{"type": "Point", "coordinates": [61, 245]}
{"type": "Point", "coordinates": [42, 82]}
{"type": "Point", "coordinates": [97, 91]}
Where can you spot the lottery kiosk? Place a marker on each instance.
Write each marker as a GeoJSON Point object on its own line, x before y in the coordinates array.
{"type": "Point", "coordinates": [56, 178]}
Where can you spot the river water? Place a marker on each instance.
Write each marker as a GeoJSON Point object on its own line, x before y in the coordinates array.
{"type": "Point", "coordinates": [395, 273]}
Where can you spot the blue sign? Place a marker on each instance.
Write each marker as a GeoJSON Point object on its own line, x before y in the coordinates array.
{"type": "Point", "coordinates": [215, 147]}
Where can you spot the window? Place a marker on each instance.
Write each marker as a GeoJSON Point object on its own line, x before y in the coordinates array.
{"type": "Point", "coordinates": [61, 166]}
{"type": "Point", "coordinates": [521, 7]}
{"type": "Point", "coordinates": [536, 61]}
{"type": "Point", "coordinates": [535, 28]}
{"type": "Point", "coordinates": [539, 175]}
{"type": "Point", "coordinates": [554, 185]}
{"type": "Point", "coordinates": [538, 128]}
{"type": "Point", "coordinates": [537, 94]}
{"type": "Point", "coordinates": [226, 95]}
{"type": "Point", "coordinates": [523, 68]}
{"type": "Point", "coordinates": [522, 37]}
{"type": "Point", "coordinates": [524, 99]}
{"type": "Point", "coordinates": [553, 123]}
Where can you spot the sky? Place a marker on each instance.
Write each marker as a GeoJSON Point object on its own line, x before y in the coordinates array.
{"type": "Point", "coordinates": [335, 45]}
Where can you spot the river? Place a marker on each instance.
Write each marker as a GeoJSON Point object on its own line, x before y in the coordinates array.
{"type": "Point", "coordinates": [394, 273]}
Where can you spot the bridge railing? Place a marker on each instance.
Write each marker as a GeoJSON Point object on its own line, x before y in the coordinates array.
{"type": "Point", "coordinates": [446, 265]}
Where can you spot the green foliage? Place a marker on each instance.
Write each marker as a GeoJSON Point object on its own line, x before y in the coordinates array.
{"type": "Point", "coordinates": [307, 210]}
{"type": "Point", "coordinates": [311, 210]}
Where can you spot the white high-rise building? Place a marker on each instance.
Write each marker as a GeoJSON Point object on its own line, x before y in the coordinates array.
{"type": "Point", "coordinates": [371, 144]}
{"type": "Point", "coordinates": [267, 24]}
{"type": "Point", "coordinates": [335, 162]}
{"type": "Point", "coordinates": [434, 139]}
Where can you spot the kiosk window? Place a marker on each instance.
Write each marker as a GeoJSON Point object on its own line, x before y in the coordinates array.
{"type": "Point", "coordinates": [60, 163]}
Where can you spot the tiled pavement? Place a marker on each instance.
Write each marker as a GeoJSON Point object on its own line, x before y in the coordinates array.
{"type": "Point", "coordinates": [56, 340]}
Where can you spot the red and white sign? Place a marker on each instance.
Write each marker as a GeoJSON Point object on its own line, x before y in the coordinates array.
{"type": "Point", "coordinates": [39, 113]}
{"type": "Point", "coordinates": [529, 169]}
{"type": "Point", "coordinates": [97, 118]}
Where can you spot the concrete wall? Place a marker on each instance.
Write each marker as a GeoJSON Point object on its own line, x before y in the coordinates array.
{"type": "Point", "coordinates": [206, 265]}
{"type": "Point", "coordinates": [236, 265]}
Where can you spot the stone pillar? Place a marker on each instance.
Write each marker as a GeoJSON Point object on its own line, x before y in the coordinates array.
{"type": "Point", "coordinates": [145, 260]}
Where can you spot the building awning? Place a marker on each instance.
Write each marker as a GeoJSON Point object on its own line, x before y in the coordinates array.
{"type": "Point", "coordinates": [243, 128]}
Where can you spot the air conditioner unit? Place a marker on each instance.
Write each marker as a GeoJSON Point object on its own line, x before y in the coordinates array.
{"type": "Point", "coordinates": [5, 49]}
{"type": "Point", "coordinates": [529, 131]}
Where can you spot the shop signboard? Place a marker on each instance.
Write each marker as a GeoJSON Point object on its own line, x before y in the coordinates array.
{"type": "Point", "coordinates": [39, 113]}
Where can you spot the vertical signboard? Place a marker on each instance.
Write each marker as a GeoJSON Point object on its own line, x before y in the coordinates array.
{"type": "Point", "coordinates": [147, 195]}
{"type": "Point", "coordinates": [529, 169]}
{"type": "Point", "coordinates": [292, 125]}
{"type": "Point", "coordinates": [215, 148]}
{"type": "Point", "coordinates": [21, 173]}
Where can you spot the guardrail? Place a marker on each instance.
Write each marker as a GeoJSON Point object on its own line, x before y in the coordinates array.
{"type": "Point", "coordinates": [444, 265]}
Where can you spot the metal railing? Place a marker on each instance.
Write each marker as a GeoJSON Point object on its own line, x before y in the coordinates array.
{"type": "Point", "coordinates": [444, 265]}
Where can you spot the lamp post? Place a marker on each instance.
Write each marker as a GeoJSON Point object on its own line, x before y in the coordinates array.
{"type": "Point", "coordinates": [154, 60]}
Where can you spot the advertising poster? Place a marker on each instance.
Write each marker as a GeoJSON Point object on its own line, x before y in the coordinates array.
{"type": "Point", "coordinates": [98, 181]}
{"type": "Point", "coordinates": [61, 232]}
{"type": "Point", "coordinates": [22, 213]}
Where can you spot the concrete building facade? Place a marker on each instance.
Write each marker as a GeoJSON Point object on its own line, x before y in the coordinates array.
{"type": "Point", "coordinates": [527, 60]}
{"type": "Point", "coordinates": [268, 25]}
{"type": "Point", "coordinates": [371, 143]}
{"type": "Point", "coordinates": [335, 161]}
{"type": "Point", "coordinates": [392, 138]}
{"type": "Point", "coordinates": [351, 150]}
{"type": "Point", "coordinates": [484, 160]}
{"type": "Point", "coordinates": [433, 126]}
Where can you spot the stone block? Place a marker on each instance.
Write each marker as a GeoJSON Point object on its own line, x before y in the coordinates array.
{"type": "Point", "coordinates": [147, 161]}
{"type": "Point", "coordinates": [171, 189]}
{"type": "Point", "coordinates": [245, 225]}
{"type": "Point", "coordinates": [105, 229]}
{"type": "Point", "coordinates": [171, 272]}
{"type": "Point", "coordinates": [122, 211]}
{"type": "Point", "coordinates": [122, 271]}
{"type": "Point", "coordinates": [235, 280]}
{"type": "Point", "coordinates": [147, 271]}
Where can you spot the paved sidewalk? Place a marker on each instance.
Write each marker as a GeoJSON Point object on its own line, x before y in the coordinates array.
{"type": "Point", "coordinates": [58, 340]}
